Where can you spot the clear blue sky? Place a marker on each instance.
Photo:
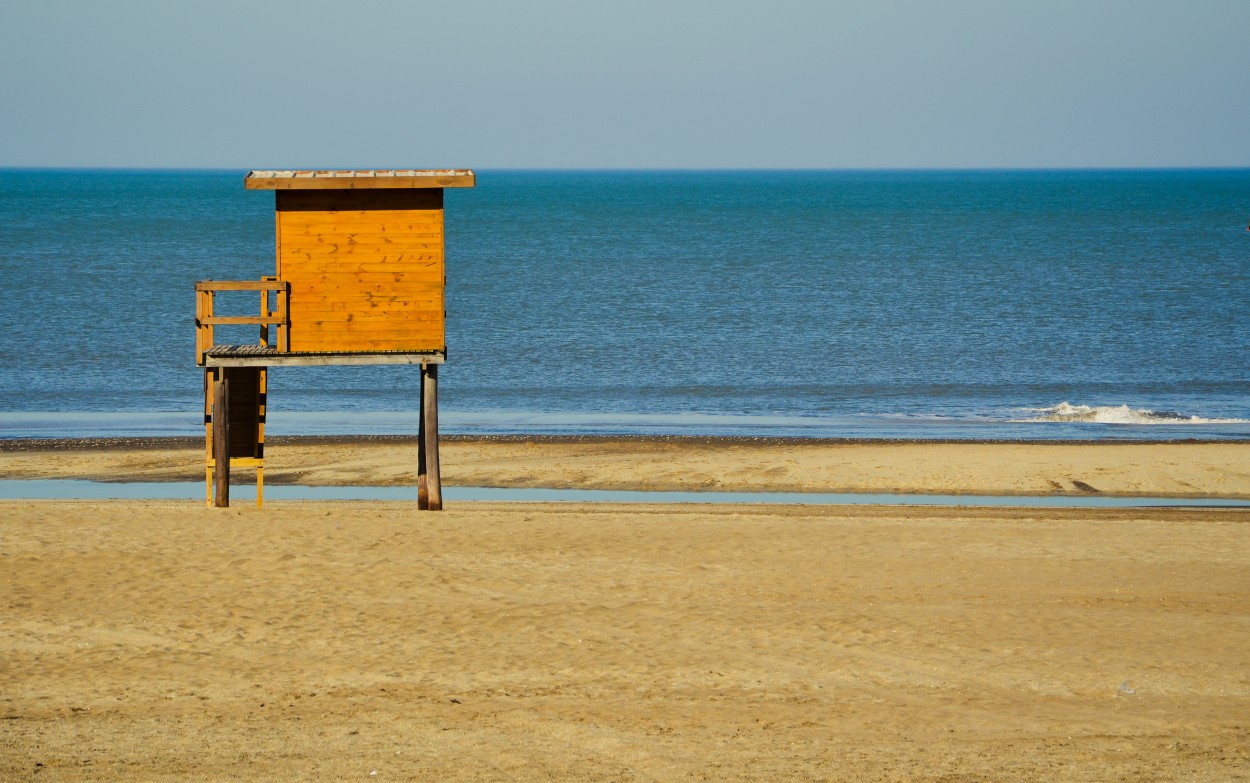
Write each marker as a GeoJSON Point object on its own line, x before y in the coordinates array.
{"type": "Point", "coordinates": [643, 83]}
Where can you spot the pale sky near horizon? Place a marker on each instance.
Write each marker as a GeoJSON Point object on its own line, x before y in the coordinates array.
{"type": "Point", "coordinates": [640, 84]}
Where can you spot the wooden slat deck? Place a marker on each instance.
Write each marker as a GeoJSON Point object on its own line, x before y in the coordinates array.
{"type": "Point", "coordinates": [252, 355]}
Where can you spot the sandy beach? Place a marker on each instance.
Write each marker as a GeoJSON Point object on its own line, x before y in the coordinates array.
{"type": "Point", "coordinates": [162, 640]}
{"type": "Point", "coordinates": [1215, 470]}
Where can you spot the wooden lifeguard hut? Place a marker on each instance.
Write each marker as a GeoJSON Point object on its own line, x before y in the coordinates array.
{"type": "Point", "coordinates": [360, 280]}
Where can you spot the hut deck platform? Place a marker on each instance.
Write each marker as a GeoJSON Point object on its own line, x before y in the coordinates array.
{"type": "Point", "coordinates": [252, 355]}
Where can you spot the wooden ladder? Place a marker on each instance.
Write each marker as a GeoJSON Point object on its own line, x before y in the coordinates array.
{"type": "Point", "coordinates": [235, 397]}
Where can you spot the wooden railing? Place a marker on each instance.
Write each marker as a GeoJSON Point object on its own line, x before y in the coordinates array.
{"type": "Point", "coordinates": [275, 315]}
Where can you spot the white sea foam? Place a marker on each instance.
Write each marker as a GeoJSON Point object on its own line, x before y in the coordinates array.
{"type": "Point", "coordinates": [1117, 414]}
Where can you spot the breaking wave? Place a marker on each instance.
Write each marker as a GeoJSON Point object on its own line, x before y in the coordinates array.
{"type": "Point", "coordinates": [1118, 414]}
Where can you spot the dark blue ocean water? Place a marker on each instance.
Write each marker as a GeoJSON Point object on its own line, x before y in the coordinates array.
{"type": "Point", "coordinates": [868, 304]}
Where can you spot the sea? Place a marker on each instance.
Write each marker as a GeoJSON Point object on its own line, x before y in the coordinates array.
{"type": "Point", "coordinates": [995, 305]}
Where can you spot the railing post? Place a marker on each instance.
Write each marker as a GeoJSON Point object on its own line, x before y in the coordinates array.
{"type": "Point", "coordinates": [203, 321]}
{"type": "Point", "coordinates": [284, 318]}
{"type": "Point", "coordinates": [199, 326]}
{"type": "Point", "coordinates": [264, 314]}
{"type": "Point", "coordinates": [210, 335]}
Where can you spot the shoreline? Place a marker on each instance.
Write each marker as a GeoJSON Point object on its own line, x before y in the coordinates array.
{"type": "Point", "coordinates": [139, 442]}
{"type": "Point", "coordinates": [1164, 469]}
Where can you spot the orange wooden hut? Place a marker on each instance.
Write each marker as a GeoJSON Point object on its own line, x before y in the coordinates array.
{"type": "Point", "coordinates": [360, 279]}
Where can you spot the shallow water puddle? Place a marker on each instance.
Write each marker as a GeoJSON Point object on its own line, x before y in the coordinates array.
{"type": "Point", "coordinates": [68, 489]}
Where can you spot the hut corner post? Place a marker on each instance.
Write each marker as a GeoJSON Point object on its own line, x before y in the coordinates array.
{"type": "Point", "coordinates": [429, 480]}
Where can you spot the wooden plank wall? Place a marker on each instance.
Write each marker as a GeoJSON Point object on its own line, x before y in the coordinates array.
{"type": "Point", "coordinates": [365, 268]}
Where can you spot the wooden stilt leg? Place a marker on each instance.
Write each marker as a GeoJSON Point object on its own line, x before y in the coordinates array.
{"type": "Point", "coordinates": [429, 418]}
{"type": "Point", "coordinates": [423, 484]}
{"type": "Point", "coordinates": [261, 404]}
{"type": "Point", "coordinates": [221, 441]}
{"type": "Point", "coordinates": [209, 375]}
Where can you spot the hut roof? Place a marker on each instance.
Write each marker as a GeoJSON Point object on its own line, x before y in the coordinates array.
{"type": "Point", "coordinates": [358, 179]}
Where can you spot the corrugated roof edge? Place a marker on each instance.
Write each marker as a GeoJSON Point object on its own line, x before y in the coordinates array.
{"type": "Point", "coordinates": [353, 179]}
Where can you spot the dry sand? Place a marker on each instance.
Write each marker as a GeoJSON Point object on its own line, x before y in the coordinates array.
{"type": "Point", "coordinates": [156, 640]}
{"type": "Point", "coordinates": [1173, 469]}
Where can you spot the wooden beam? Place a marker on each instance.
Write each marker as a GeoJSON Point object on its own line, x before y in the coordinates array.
{"type": "Point", "coordinates": [369, 303]}
{"type": "Point", "coordinates": [326, 281]}
{"type": "Point", "coordinates": [262, 404]}
{"type": "Point", "coordinates": [241, 285]}
{"type": "Point", "coordinates": [423, 484]}
{"type": "Point", "coordinates": [221, 441]}
{"type": "Point", "coordinates": [429, 422]}
{"type": "Point", "coordinates": [209, 390]}
{"type": "Point", "coordinates": [324, 360]}
{"type": "Point", "coordinates": [284, 314]}
{"type": "Point", "coordinates": [385, 324]}
{"type": "Point", "coordinates": [241, 320]}
{"type": "Point", "coordinates": [380, 224]}
{"type": "Point", "coordinates": [336, 247]}
{"type": "Point", "coordinates": [203, 303]}
{"type": "Point", "coordinates": [265, 312]}
{"type": "Point", "coordinates": [335, 342]}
